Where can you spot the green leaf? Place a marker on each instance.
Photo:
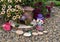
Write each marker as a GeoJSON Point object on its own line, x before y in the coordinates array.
{"type": "Point", "coordinates": [17, 25]}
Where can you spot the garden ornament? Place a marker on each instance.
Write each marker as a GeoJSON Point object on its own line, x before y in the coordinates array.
{"type": "Point", "coordinates": [39, 22]}
{"type": "Point", "coordinates": [34, 22]}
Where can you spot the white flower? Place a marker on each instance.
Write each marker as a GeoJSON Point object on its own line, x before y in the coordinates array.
{"type": "Point", "coordinates": [3, 9]}
{"type": "Point", "coordinates": [19, 0]}
{"type": "Point", "coordinates": [20, 8]}
{"type": "Point", "coordinates": [10, 1]}
{"type": "Point", "coordinates": [17, 6]}
{"type": "Point", "coordinates": [39, 21]}
{"type": "Point", "coordinates": [42, 21]}
{"type": "Point", "coordinates": [4, 6]}
{"type": "Point", "coordinates": [8, 15]}
{"type": "Point", "coordinates": [9, 10]}
{"type": "Point", "coordinates": [17, 16]}
{"type": "Point", "coordinates": [16, 11]}
{"type": "Point", "coordinates": [14, 18]}
{"type": "Point", "coordinates": [3, 12]}
{"type": "Point", "coordinates": [13, 10]}
{"type": "Point", "coordinates": [9, 6]}
{"type": "Point", "coordinates": [1, 0]}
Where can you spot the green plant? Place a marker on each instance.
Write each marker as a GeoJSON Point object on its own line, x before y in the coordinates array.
{"type": "Point", "coordinates": [12, 9]}
{"type": "Point", "coordinates": [1, 28]}
{"type": "Point", "coordinates": [9, 11]}
{"type": "Point", "coordinates": [57, 3]}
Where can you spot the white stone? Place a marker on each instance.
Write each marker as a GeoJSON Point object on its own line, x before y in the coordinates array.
{"type": "Point", "coordinates": [27, 34]}
{"type": "Point", "coordinates": [19, 32]}
{"type": "Point", "coordinates": [34, 33]}
{"type": "Point", "coordinates": [24, 26]}
{"type": "Point", "coordinates": [40, 33]}
{"type": "Point", "coordinates": [45, 31]}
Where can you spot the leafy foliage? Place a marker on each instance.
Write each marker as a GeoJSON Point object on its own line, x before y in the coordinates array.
{"type": "Point", "coordinates": [12, 12]}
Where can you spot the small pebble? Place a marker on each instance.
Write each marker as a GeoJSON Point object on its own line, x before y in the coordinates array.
{"type": "Point", "coordinates": [35, 33]}
{"type": "Point", "coordinates": [19, 32]}
{"type": "Point", "coordinates": [40, 33]}
{"type": "Point", "coordinates": [45, 32]}
{"type": "Point", "coordinates": [27, 34]}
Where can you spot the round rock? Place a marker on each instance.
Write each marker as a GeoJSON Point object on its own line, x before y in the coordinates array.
{"type": "Point", "coordinates": [45, 32]}
{"type": "Point", "coordinates": [19, 32]}
{"type": "Point", "coordinates": [40, 33]}
{"type": "Point", "coordinates": [35, 33]}
{"type": "Point", "coordinates": [27, 34]}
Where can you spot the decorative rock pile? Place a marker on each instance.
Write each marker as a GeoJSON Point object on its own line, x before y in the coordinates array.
{"type": "Point", "coordinates": [28, 34]}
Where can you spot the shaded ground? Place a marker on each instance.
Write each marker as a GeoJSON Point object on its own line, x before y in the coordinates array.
{"type": "Point", "coordinates": [52, 25]}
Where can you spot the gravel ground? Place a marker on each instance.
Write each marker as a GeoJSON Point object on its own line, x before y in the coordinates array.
{"type": "Point", "coordinates": [52, 26]}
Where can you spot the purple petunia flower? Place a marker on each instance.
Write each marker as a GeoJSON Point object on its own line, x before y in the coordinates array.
{"type": "Point", "coordinates": [40, 3]}
{"type": "Point", "coordinates": [48, 15]}
{"type": "Point", "coordinates": [36, 11]}
{"type": "Point", "coordinates": [49, 8]}
{"type": "Point", "coordinates": [40, 16]}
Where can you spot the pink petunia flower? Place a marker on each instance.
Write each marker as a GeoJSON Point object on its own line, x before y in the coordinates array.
{"type": "Point", "coordinates": [6, 26]}
{"type": "Point", "coordinates": [48, 15]}
{"type": "Point", "coordinates": [49, 8]}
